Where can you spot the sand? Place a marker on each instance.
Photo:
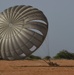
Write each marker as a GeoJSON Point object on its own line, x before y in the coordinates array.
{"type": "Point", "coordinates": [36, 67]}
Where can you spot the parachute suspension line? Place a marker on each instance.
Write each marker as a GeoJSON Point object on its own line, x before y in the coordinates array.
{"type": "Point", "coordinates": [47, 45]}
{"type": "Point", "coordinates": [50, 63]}
{"type": "Point", "coordinates": [48, 49]}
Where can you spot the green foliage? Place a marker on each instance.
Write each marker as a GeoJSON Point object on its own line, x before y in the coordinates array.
{"type": "Point", "coordinates": [47, 57]}
{"type": "Point", "coordinates": [64, 54]}
{"type": "Point", "coordinates": [32, 57]}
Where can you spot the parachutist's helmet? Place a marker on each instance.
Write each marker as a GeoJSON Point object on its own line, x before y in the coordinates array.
{"type": "Point", "coordinates": [22, 31]}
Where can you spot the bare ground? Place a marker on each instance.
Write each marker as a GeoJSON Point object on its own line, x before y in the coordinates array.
{"type": "Point", "coordinates": [36, 67]}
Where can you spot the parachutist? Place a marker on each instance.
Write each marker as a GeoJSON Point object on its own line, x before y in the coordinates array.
{"type": "Point", "coordinates": [53, 64]}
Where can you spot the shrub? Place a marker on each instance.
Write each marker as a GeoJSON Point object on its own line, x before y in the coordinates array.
{"type": "Point", "coordinates": [47, 57]}
{"type": "Point", "coordinates": [32, 57]}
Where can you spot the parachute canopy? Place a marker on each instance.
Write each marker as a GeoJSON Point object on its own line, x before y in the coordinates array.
{"type": "Point", "coordinates": [22, 31]}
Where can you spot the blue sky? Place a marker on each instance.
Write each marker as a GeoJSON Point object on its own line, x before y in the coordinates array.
{"type": "Point", "coordinates": [60, 15]}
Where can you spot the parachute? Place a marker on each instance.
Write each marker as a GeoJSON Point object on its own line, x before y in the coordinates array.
{"type": "Point", "coordinates": [22, 31]}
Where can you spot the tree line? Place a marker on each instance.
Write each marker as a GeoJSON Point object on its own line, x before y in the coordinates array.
{"type": "Point", "coordinates": [64, 54]}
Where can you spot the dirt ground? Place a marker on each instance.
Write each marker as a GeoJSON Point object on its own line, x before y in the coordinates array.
{"type": "Point", "coordinates": [36, 67]}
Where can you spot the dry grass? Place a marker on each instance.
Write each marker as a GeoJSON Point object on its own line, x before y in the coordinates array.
{"type": "Point", "coordinates": [36, 67]}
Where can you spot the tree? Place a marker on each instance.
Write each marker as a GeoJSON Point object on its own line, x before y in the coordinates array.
{"type": "Point", "coordinates": [64, 54]}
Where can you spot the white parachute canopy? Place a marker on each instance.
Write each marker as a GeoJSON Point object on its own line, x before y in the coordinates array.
{"type": "Point", "coordinates": [22, 31]}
